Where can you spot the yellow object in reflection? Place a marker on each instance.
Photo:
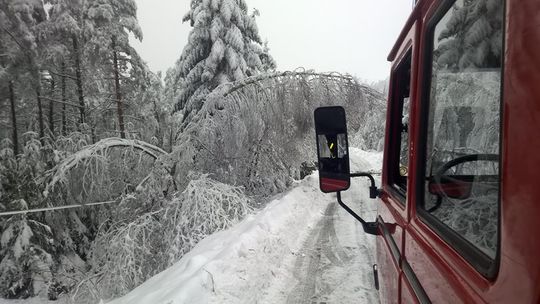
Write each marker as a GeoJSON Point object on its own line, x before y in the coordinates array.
{"type": "Point", "coordinates": [331, 146]}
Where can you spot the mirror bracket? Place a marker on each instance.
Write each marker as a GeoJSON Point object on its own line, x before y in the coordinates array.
{"type": "Point", "coordinates": [369, 227]}
{"type": "Point", "coordinates": [374, 192]}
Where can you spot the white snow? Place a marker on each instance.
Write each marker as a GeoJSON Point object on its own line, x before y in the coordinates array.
{"type": "Point", "coordinates": [301, 241]}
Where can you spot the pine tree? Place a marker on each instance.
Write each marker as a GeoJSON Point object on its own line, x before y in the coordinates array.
{"type": "Point", "coordinates": [27, 244]}
{"type": "Point", "coordinates": [95, 34]}
{"type": "Point", "coordinates": [113, 20]}
{"type": "Point", "coordinates": [19, 50]}
{"type": "Point", "coordinates": [224, 46]}
{"type": "Point", "coordinates": [268, 62]}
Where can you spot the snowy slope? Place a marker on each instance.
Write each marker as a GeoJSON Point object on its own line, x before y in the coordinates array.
{"type": "Point", "coordinates": [271, 257]}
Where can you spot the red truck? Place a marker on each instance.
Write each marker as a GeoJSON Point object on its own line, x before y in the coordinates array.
{"type": "Point", "coordinates": [459, 205]}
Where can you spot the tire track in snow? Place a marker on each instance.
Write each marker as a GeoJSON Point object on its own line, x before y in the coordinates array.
{"type": "Point", "coordinates": [305, 268]}
{"type": "Point", "coordinates": [348, 254]}
{"type": "Point", "coordinates": [321, 251]}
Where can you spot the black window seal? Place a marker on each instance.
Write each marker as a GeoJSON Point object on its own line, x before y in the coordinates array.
{"type": "Point", "coordinates": [410, 276]}
{"type": "Point", "coordinates": [398, 189]}
{"type": "Point", "coordinates": [394, 249]}
{"type": "Point", "coordinates": [485, 265]}
{"type": "Point", "coordinates": [416, 286]}
{"type": "Point", "coordinates": [399, 192]}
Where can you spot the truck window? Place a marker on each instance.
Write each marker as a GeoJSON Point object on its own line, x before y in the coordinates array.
{"type": "Point", "coordinates": [461, 185]}
{"type": "Point", "coordinates": [399, 145]}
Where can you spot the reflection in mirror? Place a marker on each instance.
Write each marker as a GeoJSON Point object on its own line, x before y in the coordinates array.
{"type": "Point", "coordinates": [333, 146]}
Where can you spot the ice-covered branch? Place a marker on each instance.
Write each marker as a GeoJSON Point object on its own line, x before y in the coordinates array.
{"type": "Point", "coordinates": [97, 150]}
{"type": "Point", "coordinates": [228, 88]}
{"type": "Point", "coordinates": [257, 131]}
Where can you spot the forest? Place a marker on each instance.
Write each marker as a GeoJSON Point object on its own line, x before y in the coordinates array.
{"type": "Point", "coordinates": [109, 173]}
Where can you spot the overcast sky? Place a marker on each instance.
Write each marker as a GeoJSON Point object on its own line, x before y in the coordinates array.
{"type": "Point", "coordinates": [348, 36]}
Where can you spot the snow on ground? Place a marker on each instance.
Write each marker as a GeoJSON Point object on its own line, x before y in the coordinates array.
{"type": "Point", "coordinates": [301, 248]}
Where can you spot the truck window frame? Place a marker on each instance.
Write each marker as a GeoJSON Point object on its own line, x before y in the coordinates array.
{"type": "Point", "coordinates": [486, 266]}
{"type": "Point", "coordinates": [397, 183]}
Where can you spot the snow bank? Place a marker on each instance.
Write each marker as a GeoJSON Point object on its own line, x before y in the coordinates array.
{"type": "Point", "coordinates": [239, 265]}
{"type": "Point", "coordinates": [365, 161]}
{"type": "Point", "coordinates": [250, 251]}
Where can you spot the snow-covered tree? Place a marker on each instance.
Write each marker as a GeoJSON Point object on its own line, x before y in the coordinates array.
{"type": "Point", "coordinates": [112, 22]}
{"type": "Point", "coordinates": [61, 35]}
{"type": "Point", "coordinates": [268, 62]}
{"type": "Point", "coordinates": [26, 242]}
{"type": "Point", "coordinates": [64, 57]}
{"type": "Point", "coordinates": [95, 34]}
{"type": "Point", "coordinates": [26, 265]}
{"type": "Point", "coordinates": [256, 132]}
{"type": "Point", "coordinates": [224, 46]}
{"type": "Point", "coordinates": [18, 49]}
{"type": "Point", "coordinates": [130, 252]}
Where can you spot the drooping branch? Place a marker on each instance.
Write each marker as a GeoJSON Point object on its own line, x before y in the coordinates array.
{"type": "Point", "coordinates": [59, 173]}
{"type": "Point", "coordinates": [309, 80]}
{"type": "Point", "coordinates": [229, 88]}
{"type": "Point", "coordinates": [262, 126]}
{"type": "Point", "coordinates": [336, 84]}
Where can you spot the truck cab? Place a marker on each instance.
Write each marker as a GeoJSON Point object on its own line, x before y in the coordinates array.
{"type": "Point", "coordinates": [459, 200]}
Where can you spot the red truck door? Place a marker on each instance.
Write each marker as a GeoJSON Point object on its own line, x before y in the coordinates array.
{"type": "Point", "coordinates": [451, 240]}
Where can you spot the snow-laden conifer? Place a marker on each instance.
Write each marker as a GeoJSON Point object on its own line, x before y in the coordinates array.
{"type": "Point", "coordinates": [268, 62]}
{"type": "Point", "coordinates": [223, 46]}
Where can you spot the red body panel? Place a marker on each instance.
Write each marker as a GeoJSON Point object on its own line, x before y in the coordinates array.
{"type": "Point", "coordinates": [443, 273]}
{"type": "Point", "coordinates": [407, 293]}
{"type": "Point", "coordinates": [388, 277]}
{"type": "Point", "coordinates": [333, 185]}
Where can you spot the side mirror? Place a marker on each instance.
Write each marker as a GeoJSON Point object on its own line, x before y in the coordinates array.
{"type": "Point", "coordinates": [332, 149]}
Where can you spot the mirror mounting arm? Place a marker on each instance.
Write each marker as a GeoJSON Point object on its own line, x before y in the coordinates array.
{"type": "Point", "coordinates": [373, 191]}
{"type": "Point", "coordinates": [369, 227]}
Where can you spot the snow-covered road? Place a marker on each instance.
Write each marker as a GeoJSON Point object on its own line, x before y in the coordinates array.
{"type": "Point", "coordinates": [334, 264]}
{"type": "Point", "coordinates": [301, 248]}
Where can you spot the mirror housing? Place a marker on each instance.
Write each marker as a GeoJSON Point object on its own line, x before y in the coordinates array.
{"type": "Point", "coordinates": [332, 149]}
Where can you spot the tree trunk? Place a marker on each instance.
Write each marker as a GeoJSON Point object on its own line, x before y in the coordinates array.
{"type": "Point", "coordinates": [15, 137]}
{"type": "Point", "coordinates": [78, 76]}
{"type": "Point", "coordinates": [158, 117]}
{"type": "Point", "coordinates": [171, 139]}
{"type": "Point", "coordinates": [40, 115]}
{"type": "Point", "coordinates": [64, 99]}
{"type": "Point", "coordinates": [94, 137]}
{"type": "Point", "coordinates": [51, 108]}
{"type": "Point", "coordinates": [119, 105]}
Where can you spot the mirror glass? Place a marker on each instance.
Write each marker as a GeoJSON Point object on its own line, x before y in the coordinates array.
{"type": "Point", "coordinates": [332, 149]}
